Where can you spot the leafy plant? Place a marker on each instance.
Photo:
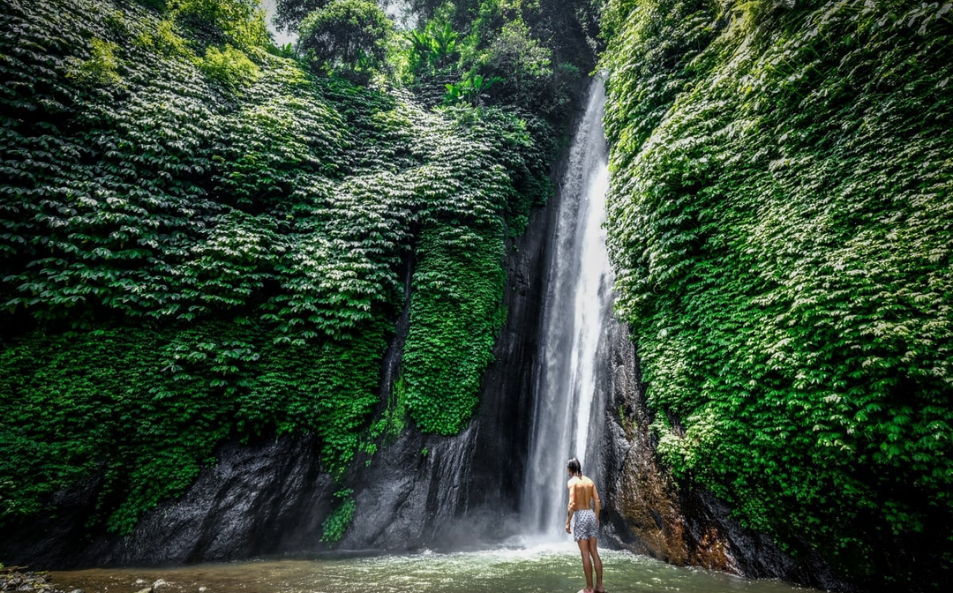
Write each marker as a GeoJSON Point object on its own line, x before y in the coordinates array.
{"type": "Point", "coordinates": [164, 39]}
{"type": "Point", "coordinates": [290, 13]}
{"type": "Point", "coordinates": [434, 48]}
{"type": "Point", "coordinates": [339, 519]}
{"type": "Point", "coordinates": [779, 216]}
{"type": "Point", "coordinates": [238, 22]}
{"type": "Point", "coordinates": [230, 66]}
{"type": "Point", "coordinates": [101, 67]}
{"type": "Point", "coordinates": [182, 265]}
{"type": "Point", "coordinates": [471, 90]}
{"type": "Point", "coordinates": [347, 34]}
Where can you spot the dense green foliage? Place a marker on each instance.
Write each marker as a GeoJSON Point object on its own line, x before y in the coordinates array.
{"type": "Point", "coordinates": [782, 220]}
{"type": "Point", "coordinates": [201, 241]}
{"type": "Point", "coordinates": [455, 310]}
{"type": "Point", "coordinates": [340, 518]}
{"type": "Point", "coordinates": [520, 53]}
{"type": "Point", "coordinates": [433, 48]}
{"type": "Point", "coordinates": [290, 13]}
{"type": "Point", "coordinates": [347, 34]}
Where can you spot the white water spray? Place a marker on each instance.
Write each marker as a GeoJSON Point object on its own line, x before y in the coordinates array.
{"type": "Point", "coordinates": [578, 303]}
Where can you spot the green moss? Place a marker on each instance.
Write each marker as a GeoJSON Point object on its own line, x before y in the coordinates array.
{"type": "Point", "coordinates": [184, 265]}
{"type": "Point", "coordinates": [780, 216]}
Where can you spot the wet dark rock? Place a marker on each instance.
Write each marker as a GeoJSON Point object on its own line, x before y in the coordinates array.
{"type": "Point", "coordinates": [407, 500]}
{"type": "Point", "coordinates": [236, 509]}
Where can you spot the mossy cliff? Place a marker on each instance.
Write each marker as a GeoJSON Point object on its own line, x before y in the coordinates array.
{"type": "Point", "coordinates": [202, 242]}
{"type": "Point", "coordinates": [781, 219]}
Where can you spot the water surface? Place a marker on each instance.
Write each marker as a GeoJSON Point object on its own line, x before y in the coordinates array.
{"type": "Point", "coordinates": [541, 569]}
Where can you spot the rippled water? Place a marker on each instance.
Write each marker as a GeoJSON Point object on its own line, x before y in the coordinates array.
{"type": "Point", "coordinates": [541, 569]}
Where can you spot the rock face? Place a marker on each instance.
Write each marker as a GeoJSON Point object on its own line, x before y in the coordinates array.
{"type": "Point", "coordinates": [252, 496]}
{"type": "Point", "coordinates": [648, 514]}
{"type": "Point", "coordinates": [407, 500]}
{"type": "Point", "coordinates": [272, 497]}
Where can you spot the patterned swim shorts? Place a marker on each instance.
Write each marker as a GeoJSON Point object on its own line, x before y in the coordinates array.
{"type": "Point", "coordinates": [584, 525]}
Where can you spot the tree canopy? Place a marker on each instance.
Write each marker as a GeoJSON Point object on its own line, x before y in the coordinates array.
{"type": "Point", "coordinates": [348, 34]}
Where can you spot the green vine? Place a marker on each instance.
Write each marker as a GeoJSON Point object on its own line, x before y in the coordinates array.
{"type": "Point", "coordinates": [197, 250]}
{"type": "Point", "coordinates": [780, 216]}
{"type": "Point", "coordinates": [340, 518]}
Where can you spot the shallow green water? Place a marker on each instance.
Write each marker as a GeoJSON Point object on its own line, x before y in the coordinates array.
{"type": "Point", "coordinates": [541, 569]}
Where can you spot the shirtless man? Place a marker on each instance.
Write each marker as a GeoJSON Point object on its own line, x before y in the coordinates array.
{"type": "Point", "coordinates": [584, 522]}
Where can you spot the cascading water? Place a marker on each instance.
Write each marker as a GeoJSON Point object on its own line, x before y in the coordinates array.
{"type": "Point", "coordinates": [577, 306]}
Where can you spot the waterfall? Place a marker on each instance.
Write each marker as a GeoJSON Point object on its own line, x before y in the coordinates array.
{"type": "Point", "coordinates": [577, 306]}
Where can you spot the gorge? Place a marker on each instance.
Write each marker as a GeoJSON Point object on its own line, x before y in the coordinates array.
{"type": "Point", "coordinates": [262, 303]}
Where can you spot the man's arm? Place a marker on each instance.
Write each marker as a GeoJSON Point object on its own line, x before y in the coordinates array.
{"type": "Point", "coordinates": [595, 495]}
{"type": "Point", "coordinates": [572, 506]}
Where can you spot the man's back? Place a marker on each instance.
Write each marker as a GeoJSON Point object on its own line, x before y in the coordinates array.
{"type": "Point", "coordinates": [582, 491]}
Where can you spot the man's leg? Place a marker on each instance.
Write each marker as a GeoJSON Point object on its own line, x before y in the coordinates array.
{"type": "Point", "coordinates": [593, 550]}
{"type": "Point", "coordinates": [586, 562]}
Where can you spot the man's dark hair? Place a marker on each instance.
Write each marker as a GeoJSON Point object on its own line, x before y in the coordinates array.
{"type": "Point", "coordinates": [574, 466]}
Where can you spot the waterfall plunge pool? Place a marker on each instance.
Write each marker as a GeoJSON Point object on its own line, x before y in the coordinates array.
{"type": "Point", "coordinates": [548, 568]}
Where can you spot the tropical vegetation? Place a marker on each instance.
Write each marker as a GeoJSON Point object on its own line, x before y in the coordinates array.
{"type": "Point", "coordinates": [207, 238]}
{"type": "Point", "coordinates": [781, 218]}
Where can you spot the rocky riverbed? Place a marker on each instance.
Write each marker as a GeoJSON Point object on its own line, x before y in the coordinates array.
{"type": "Point", "coordinates": [16, 578]}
